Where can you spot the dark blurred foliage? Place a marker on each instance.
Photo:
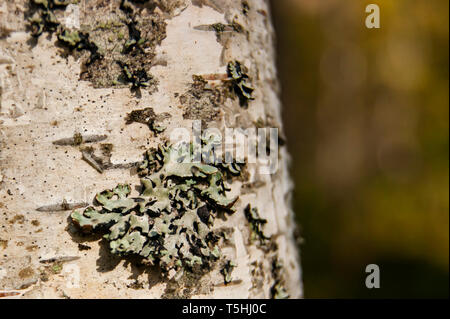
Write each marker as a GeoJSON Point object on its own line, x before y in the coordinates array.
{"type": "Point", "coordinates": [366, 119]}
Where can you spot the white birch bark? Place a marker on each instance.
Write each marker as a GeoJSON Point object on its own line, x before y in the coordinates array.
{"type": "Point", "coordinates": [42, 99]}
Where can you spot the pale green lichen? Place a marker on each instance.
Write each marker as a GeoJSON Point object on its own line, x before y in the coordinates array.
{"type": "Point", "coordinates": [170, 222]}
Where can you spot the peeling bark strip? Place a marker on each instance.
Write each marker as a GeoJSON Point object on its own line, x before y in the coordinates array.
{"type": "Point", "coordinates": [68, 67]}
{"type": "Point", "coordinates": [78, 139]}
{"type": "Point", "coordinates": [59, 259]}
{"type": "Point", "coordinates": [61, 207]}
{"type": "Point", "coordinates": [4, 294]}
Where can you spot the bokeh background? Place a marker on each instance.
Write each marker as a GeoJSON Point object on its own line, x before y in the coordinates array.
{"type": "Point", "coordinates": [366, 119]}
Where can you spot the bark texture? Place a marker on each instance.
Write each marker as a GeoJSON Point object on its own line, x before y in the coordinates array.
{"type": "Point", "coordinates": [47, 95]}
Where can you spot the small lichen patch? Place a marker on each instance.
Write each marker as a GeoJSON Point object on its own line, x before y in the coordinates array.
{"type": "Point", "coordinates": [57, 268]}
{"type": "Point", "coordinates": [78, 139]}
{"type": "Point", "coordinates": [278, 291]}
{"type": "Point", "coordinates": [256, 223]}
{"type": "Point", "coordinates": [136, 285]}
{"type": "Point", "coordinates": [35, 222]}
{"type": "Point", "coordinates": [220, 28]}
{"type": "Point", "coordinates": [79, 41]}
{"type": "Point", "coordinates": [43, 18]}
{"type": "Point", "coordinates": [203, 101]}
{"type": "Point", "coordinates": [138, 78]}
{"type": "Point", "coordinates": [26, 273]}
{"type": "Point", "coordinates": [240, 79]}
{"type": "Point", "coordinates": [53, 266]}
{"type": "Point", "coordinates": [226, 271]}
{"type": "Point", "coordinates": [245, 8]}
{"type": "Point", "coordinates": [257, 273]}
{"type": "Point", "coordinates": [148, 117]}
{"type": "Point", "coordinates": [116, 45]}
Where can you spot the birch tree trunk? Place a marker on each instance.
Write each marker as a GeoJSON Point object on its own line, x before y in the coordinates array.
{"type": "Point", "coordinates": [65, 136]}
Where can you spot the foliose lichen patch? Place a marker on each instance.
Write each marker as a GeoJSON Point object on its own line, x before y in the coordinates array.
{"type": "Point", "coordinates": [170, 223]}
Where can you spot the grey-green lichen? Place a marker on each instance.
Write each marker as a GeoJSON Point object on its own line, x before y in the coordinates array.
{"type": "Point", "coordinates": [170, 223]}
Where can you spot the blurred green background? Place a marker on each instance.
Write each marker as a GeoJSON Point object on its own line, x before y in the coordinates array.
{"type": "Point", "coordinates": [366, 118]}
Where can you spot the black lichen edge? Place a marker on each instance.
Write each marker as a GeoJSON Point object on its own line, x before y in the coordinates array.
{"type": "Point", "coordinates": [226, 271]}
{"type": "Point", "coordinates": [239, 81]}
{"type": "Point", "coordinates": [138, 78]}
{"type": "Point", "coordinates": [278, 290]}
{"type": "Point", "coordinates": [145, 116]}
